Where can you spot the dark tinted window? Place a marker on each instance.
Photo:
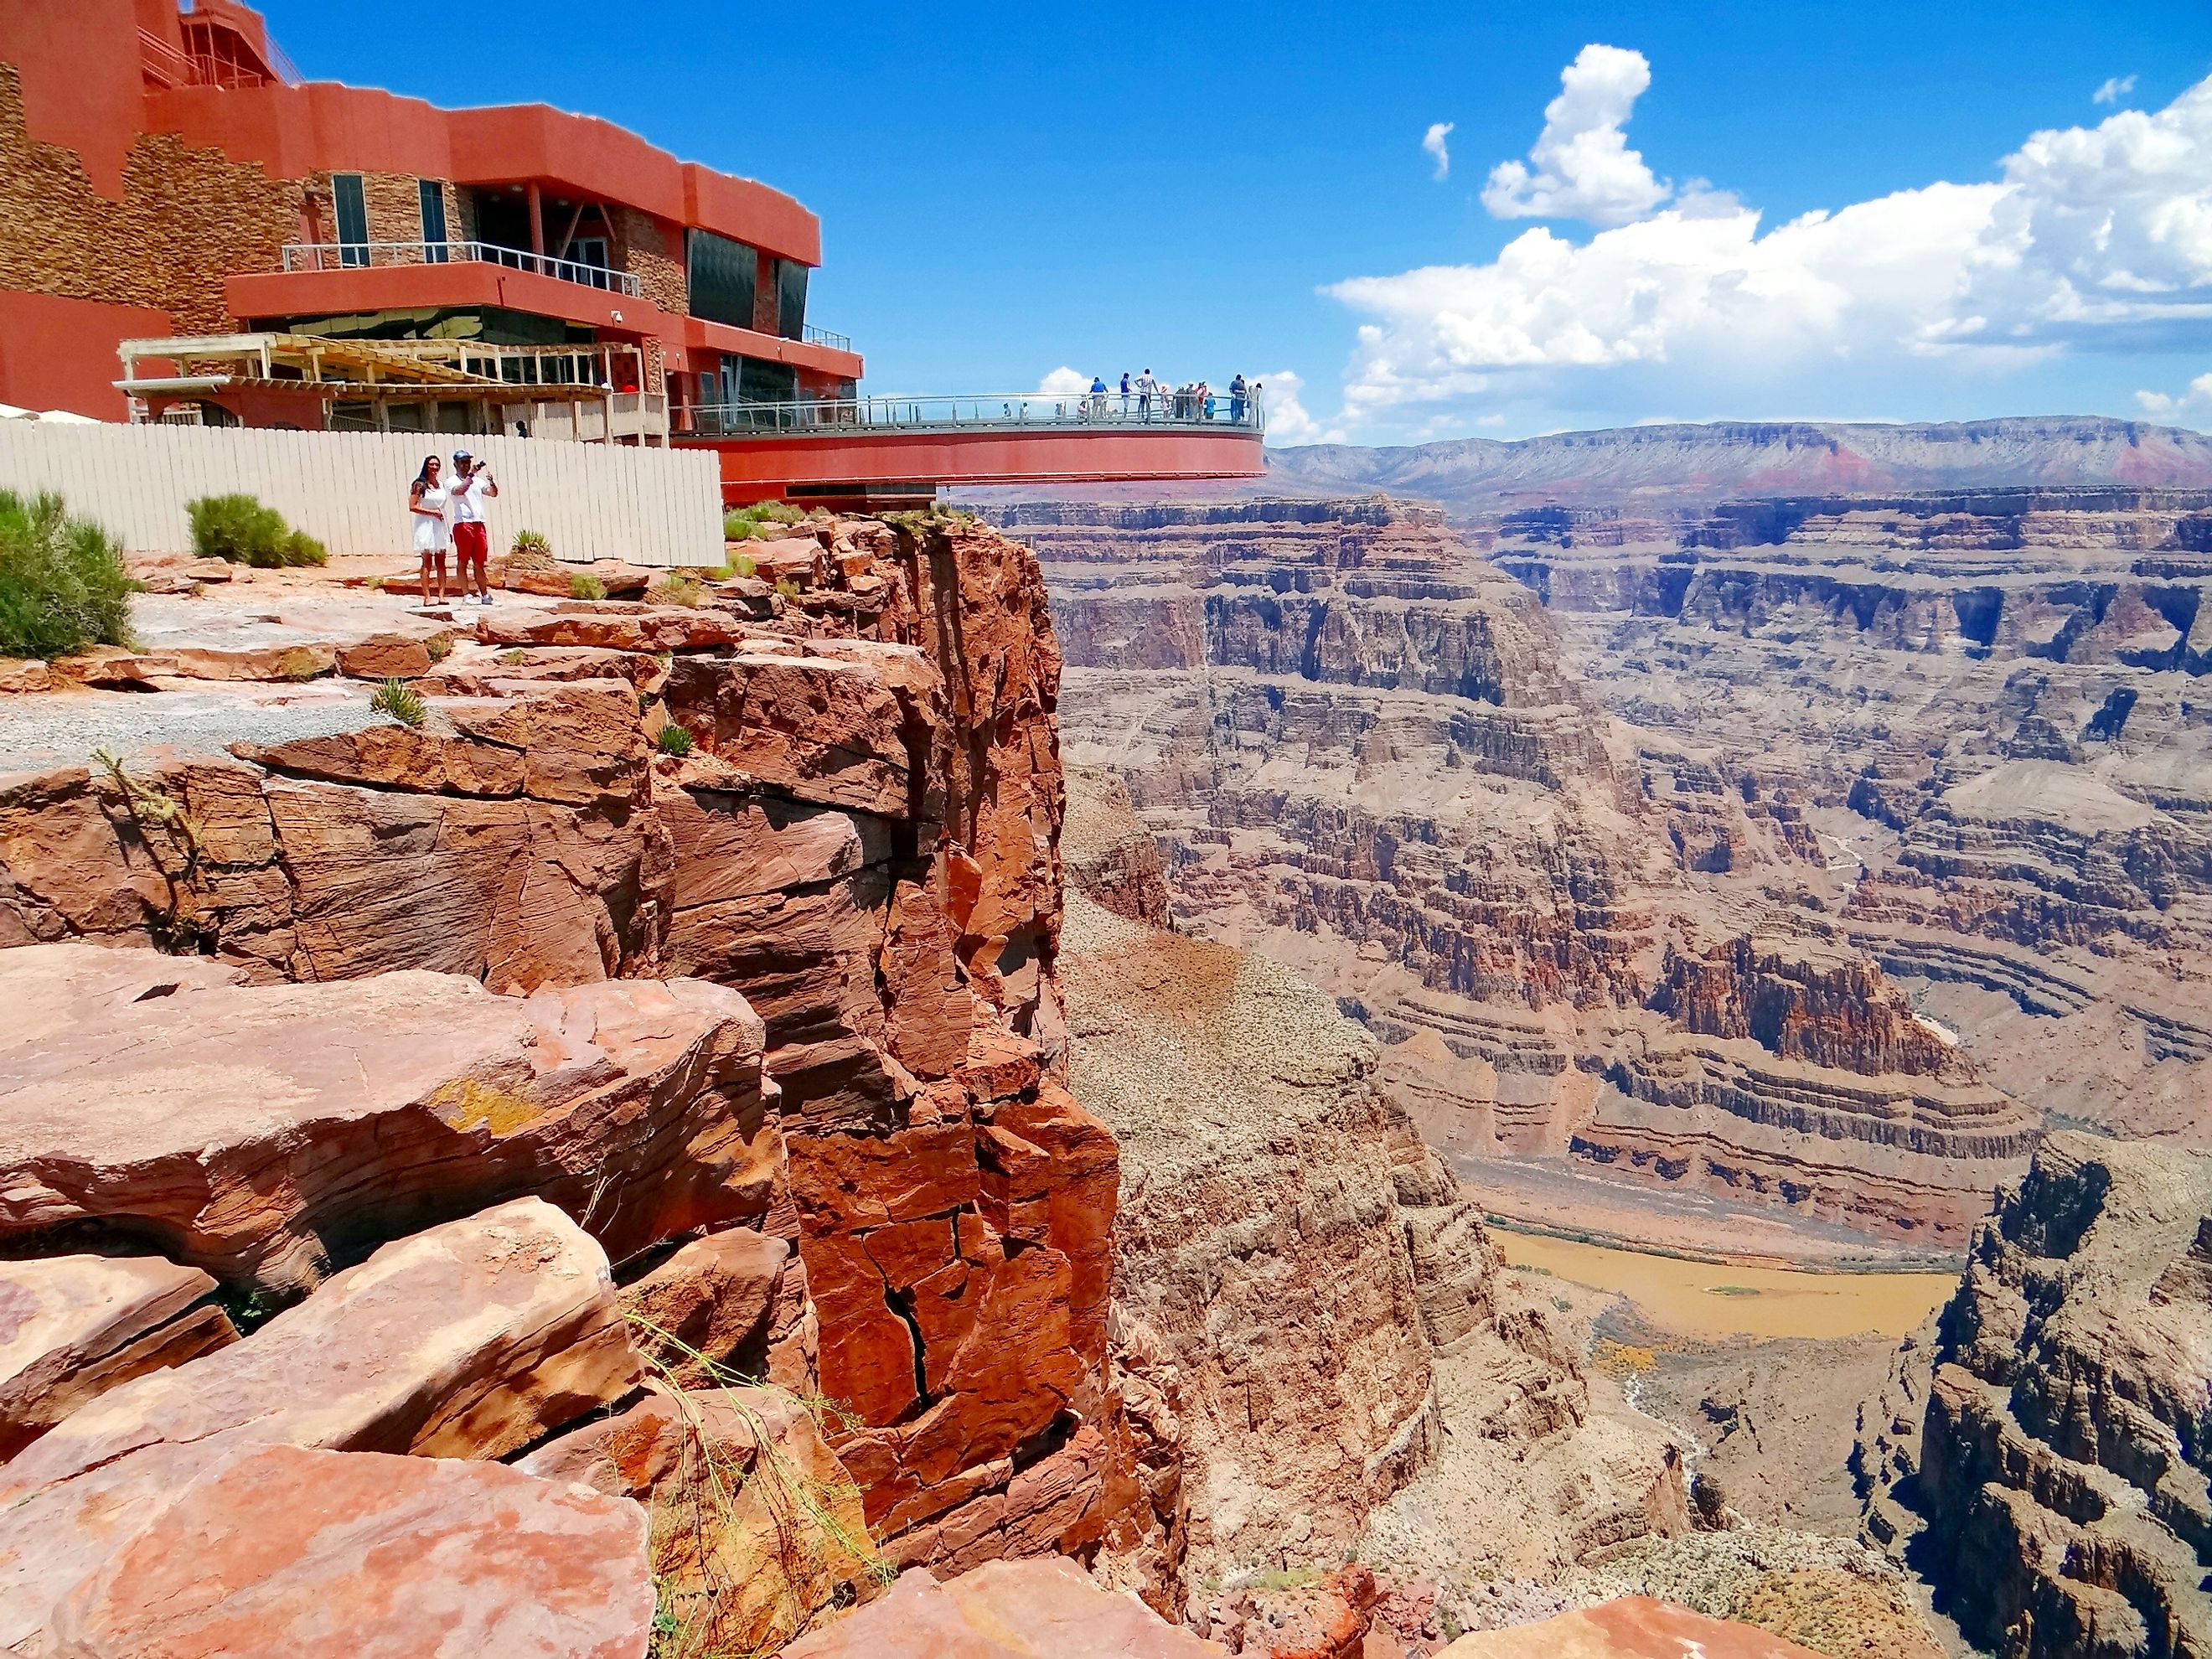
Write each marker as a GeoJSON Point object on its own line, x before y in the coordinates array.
{"type": "Point", "coordinates": [760, 382]}
{"type": "Point", "coordinates": [722, 276]}
{"type": "Point", "coordinates": [790, 299]}
{"type": "Point", "coordinates": [352, 209]}
{"type": "Point", "coordinates": [433, 219]}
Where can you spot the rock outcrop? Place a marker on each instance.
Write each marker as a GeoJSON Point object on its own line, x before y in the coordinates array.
{"type": "Point", "coordinates": [1634, 1627]}
{"type": "Point", "coordinates": [2064, 1474]}
{"type": "Point", "coordinates": [788, 969]}
{"type": "Point", "coordinates": [1004, 1610]}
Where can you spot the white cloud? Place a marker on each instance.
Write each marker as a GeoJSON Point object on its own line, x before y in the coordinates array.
{"type": "Point", "coordinates": [2197, 396]}
{"type": "Point", "coordinates": [2114, 88]}
{"type": "Point", "coordinates": [1288, 422]}
{"type": "Point", "coordinates": [1432, 142]}
{"type": "Point", "coordinates": [2095, 238]}
{"type": "Point", "coordinates": [1584, 168]}
{"type": "Point", "coordinates": [1061, 382]}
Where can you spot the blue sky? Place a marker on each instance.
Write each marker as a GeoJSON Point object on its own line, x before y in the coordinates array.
{"type": "Point", "coordinates": [1007, 190]}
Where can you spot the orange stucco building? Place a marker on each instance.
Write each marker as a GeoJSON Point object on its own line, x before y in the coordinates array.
{"type": "Point", "coordinates": [165, 174]}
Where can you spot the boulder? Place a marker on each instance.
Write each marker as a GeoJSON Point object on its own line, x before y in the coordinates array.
{"type": "Point", "coordinates": [390, 657]}
{"type": "Point", "coordinates": [194, 1551]}
{"type": "Point", "coordinates": [1042, 1609]}
{"type": "Point", "coordinates": [615, 628]}
{"type": "Point", "coordinates": [468, 1340]}
{"type": "Point", "coordinates": [756, 1528]}
{"type": "Point", "coordinates": [263, 1133]}
{"type": "Point", "coordinates": [73, 1327]}
{"type": "Point", "coordinates": [815, 727]}
{"type": "Point", "coordinates": [734, 1302]}
{"type": "Point", "coordinates": [1634, 1627]}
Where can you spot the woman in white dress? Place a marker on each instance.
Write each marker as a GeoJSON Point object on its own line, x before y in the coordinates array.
{"type": "Point", "coordinates": [428, 499]}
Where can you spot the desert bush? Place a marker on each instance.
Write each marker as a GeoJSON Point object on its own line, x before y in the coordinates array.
{"type": "Point", "coordinates": [673, 740]}
{"type": "Point", "coordinates": [745, 565]}
{"type": "Point", "coordinates": [529, 541]}
{"type": "Point", "coordinates": [760, 521]}
{"type": "Point", "coordinates": [62, 586]}
{"type": "Point", "coordinates": [400, 701]}
{"type": "Point", "coordinates": [240, 529]}
{"type": "Point", "coordinates": [786, 587]}
{"type": "Point", "coordinates": [582, 586]}
{"type": "Point", "coordinates": [676, 588]}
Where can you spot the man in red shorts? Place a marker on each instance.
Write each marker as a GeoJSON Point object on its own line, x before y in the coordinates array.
{"type": "Point", "coordinates": [472, 486]}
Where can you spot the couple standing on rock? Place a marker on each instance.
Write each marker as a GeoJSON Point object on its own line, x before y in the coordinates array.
{"type": "Point", "coordinates": [430, 499]}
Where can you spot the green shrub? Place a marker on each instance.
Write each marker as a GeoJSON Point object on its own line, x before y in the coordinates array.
{"type": "Point", "coordinates": [786, 587]}
{"type": "Point", "coordinates": [745, 565]}
{"type": "Point", "coordinates": [529, 541]}
{"type": "Point", "coordinates": [673, 740]}
{"type": "Point", "coordinates": [62, 582]}
{"type": "Point", "coordinates": [582, 586]}
{"type": "Point", "coordinates": [240, 529]}
{"type": "Point", "coordinates": [762, 521]}
{"type": "Point", "coordinates": [399, 700]}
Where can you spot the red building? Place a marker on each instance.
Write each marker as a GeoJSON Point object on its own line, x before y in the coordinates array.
{"type": "Point", "coordinates": [164, 173]}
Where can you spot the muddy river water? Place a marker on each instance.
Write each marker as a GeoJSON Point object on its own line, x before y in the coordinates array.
{"type": "Point", "coordinates": [1709, 1299]}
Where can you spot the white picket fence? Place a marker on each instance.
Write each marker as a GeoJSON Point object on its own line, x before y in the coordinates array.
{"type": "Point", "coordinates": [348, 489]}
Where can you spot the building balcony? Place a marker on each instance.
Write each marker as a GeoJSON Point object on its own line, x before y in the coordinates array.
{"type": "Point", "coordinates": [365, 256]}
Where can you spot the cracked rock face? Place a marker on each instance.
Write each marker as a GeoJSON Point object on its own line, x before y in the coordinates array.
{"type": "Point", "coordinates": [2063, 1460]}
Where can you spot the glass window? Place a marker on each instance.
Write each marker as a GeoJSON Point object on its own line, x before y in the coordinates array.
{"type": "Point", "coordinates": [761, 382]}
{"type": "Point", "coordinates": [723, 274]}
{"type": "Point", "coordinates": [352, 206]}
{"type": "Point", "coordinates": [790, 299]}
{"type": "Point", "coordinates": [433, 196]}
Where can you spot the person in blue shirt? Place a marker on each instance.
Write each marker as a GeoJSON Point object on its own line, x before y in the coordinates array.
{"type": "Point", "coordinates": [1099, 396]}
{"type": "Point", "coordinates": [1125, 392]}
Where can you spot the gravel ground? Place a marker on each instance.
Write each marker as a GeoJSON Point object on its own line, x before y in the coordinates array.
{"type": "Point", "coordinates": [38, 735]}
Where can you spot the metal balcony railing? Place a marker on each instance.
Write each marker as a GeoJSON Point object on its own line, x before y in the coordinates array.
{"type": "Point", "coordinates": [357, 255]}
{"type": "Point", "coordinates": [826, 337]}
{"type": "Point", "coordinates": [1000, 411]}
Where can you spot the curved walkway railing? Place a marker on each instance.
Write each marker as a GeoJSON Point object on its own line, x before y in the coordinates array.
{"type": "Point", "coordinates": [995, 411]}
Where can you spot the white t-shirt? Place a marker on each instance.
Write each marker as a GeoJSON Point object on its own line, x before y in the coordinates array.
{"type": "Point", "coordinates": [468, 499]}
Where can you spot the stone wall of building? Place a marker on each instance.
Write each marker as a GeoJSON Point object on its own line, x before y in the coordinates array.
{"type": "Point", "coordinates": [187, 218]}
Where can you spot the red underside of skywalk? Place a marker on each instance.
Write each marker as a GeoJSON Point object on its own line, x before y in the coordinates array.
{"type": "Point", "coordinates": [817, 466]}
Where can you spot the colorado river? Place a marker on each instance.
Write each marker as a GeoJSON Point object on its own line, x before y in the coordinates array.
{"type": "Point", "coordinates": [1710, 1299]}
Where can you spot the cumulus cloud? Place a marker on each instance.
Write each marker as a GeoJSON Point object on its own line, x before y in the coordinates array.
{"type": "Point", "coordinates": [1583, 167]}
{"type": "Point", "coordinates": [2091, 238]}
{"type": "Point", "coordinates": [1288, 422]}
{"type": "Point", "coordinates": [2197, 396]}
{"type": "Point", "coordinates": [1061, 382]}
{"type": "Point", "coordinates": [1432, 142]}
{"type": "Point", "coordinates": [2114, 88]}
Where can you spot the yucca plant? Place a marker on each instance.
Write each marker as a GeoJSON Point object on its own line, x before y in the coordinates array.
{"type": "Point", "coordinates": [673, 740]}
{"type": "Point", "coordinates": [400, 701]}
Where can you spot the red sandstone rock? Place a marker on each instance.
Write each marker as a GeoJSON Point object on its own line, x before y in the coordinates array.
{"type": "Point", "coordinates": [739, 1297]}
{"type": "Point", "coordinates": [635, 1105]}
{"type": "Point", "coordinates": [327, 1555]}
{"type": "Point", "coordinates": [757, 1529]}
{"type": "Point", "coordinates": [616, 628]}
{"type": "Point", "coordinates": [1325, 1619]}
{"type": "Point", "coordinates": [816, 728]}
{"type": "Point", "coordinates": [1634, 1627]}
{"type": "Point", "coordinates": [73, 1327]}
{"type": "Point", "coordinates": [467, 1341]}
{"type": "Point", "coordinates": [24, 675]}
{"type": "Point", "coordinates": [391, 656]}
{"type": "Point", "coordinates": [1045, 1609]}
{"type": "Point", "coordinates": [272, 663]}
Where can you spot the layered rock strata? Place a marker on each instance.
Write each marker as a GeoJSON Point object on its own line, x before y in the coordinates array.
{"type": "Point", "coordinates": [1359, 749]}
{"type": "Point", "coordinates": [1982, 709]}
{"type": "Point", "coordinates": [1299, 1278]}
{"type": "Point", "coordinates": [2063, 1462]}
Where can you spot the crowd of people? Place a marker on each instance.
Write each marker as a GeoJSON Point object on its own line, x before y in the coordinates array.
{"type": "Point", "coordinates": [447, 510]}
{"type": "Point", "coordinates": [1145, 398]}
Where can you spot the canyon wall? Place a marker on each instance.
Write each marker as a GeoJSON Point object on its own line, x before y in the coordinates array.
{"type": "Point", "coordinates": [1986, 710]}
{"type": "Point", "coordinates": [2056, 1491]}
{"type": "Point", "coordinates": [1365, 750]}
